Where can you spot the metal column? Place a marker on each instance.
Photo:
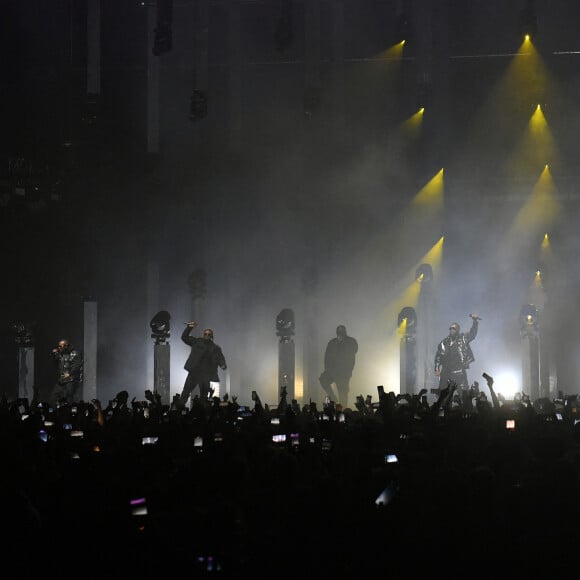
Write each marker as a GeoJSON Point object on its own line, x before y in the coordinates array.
{"type": "Point", "coordinates": [161, 372]}
{"type": "Point", "coordinates": [26, 372]}
{"type": "Point", "coordinates": [90, 342]}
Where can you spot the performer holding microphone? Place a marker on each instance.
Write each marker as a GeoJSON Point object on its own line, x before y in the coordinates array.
{"type": "Point", "coordinates": [202, 364]}
{"type": "Point", "coordinates": [69, 363]}
{"type": "Point", "coordinates": [454, 355]}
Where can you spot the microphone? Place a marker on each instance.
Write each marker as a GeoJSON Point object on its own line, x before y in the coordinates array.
{"type": "Point", "coordinates": [475, 317]}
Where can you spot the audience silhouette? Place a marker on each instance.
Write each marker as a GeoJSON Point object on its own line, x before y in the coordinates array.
{"type": "Point", "coordinates": [223, 490]}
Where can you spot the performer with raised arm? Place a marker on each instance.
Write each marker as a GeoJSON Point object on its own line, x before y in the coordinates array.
{"type": "Point", "coordinates": [454, 355]}
{"type": "Point", "coordinates": [202, 364]}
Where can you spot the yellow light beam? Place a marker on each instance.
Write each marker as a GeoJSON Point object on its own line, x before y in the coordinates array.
{"type": "Point", "coordinates": [537, 147]}
{"type": "Point", "coordinates": [422, 214]}
{"type": "Point", "coordinates": [546, 250]}
{"type": "Point", "coordinates": [525, 82]}
{"type": "Point", "coordinates": [431, 195]}
{"type": "Point", "coordinates": [536, 293]}
{"type": "Point", "coordinates": [540, 210]}
{"type": "Point", "coordinates": [402, 327]}
{"type": "Point", "coordinates": [433, 256]}
{"type": "Point", "coordinates": [545, 242]}
{"type": "Point", "coordinates": [409, 296]}
{"type": "Point", "coordinates": [394, 52]}
{"type": "Point", "coordinates": [411, 127]}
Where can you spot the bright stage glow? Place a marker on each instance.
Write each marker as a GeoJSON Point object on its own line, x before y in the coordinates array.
{"type": "Point", "coordinates": [385, 368]}
{"type": "Point", "coordinates": [508, 382]}
{"type": "Point", "coordinates": [298, 386]}
{"type": "Point", "coordinates": [216, 389]}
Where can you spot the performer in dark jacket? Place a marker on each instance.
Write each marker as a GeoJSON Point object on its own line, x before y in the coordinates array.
{"type": "Point", "coordinates": [202, 364]}
{"type": "Point", "coordinates": [454, 355]}
{"type": "Point", "coordinates": [69, 362]}
{"type": "Point", "coordinates": [339, 360]}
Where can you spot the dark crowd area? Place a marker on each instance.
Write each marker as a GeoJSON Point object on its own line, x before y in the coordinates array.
{"type": "Point", "coordinates": [468, 485]}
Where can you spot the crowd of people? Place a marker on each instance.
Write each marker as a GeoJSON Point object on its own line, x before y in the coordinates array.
{"type": "Point", "coordinates": [388, 486]}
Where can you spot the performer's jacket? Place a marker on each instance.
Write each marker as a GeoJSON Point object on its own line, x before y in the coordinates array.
{"type": "Point", "coordinates": [340, 356]}
{"type": "Point", "coordinates": [204, 358]}
{"type": "Point", "coordinates": [70, 362]}
{"type": "Point", "coordinates": [464, 350]}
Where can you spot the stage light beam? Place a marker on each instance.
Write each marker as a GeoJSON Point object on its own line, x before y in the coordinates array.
{"type": "Point", "coordinates": [541, 209]}
{"type": "Point", "coordinates": [410, 295]}
{"type": "Point", "coordinates": [431, 195]}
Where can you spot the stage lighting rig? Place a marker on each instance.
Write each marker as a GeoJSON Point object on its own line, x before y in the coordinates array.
{"type": "Point", "coordinates": [424, 273]}
{"type": "Point", "coordinates": [24, 333]}
{"type": "Point", "coordinates": [528, 318]}
{"type": "Point", "coordinates": [409, 317]}
{"type": "Point", "coordinates": [285, 324]}
{"type": "Point", "coordinates": [160, 326]}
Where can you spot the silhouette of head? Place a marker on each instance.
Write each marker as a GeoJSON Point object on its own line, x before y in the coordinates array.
{"type": "Point", "coordinates": [122, 397]}
{"type": "Point", "coordinates": [63, 345]}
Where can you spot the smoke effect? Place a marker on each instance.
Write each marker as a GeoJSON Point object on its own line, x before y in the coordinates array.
{"type": "Point", "coordinates": [311, 213]}
{"type": "Point", "coordinates": [343, 266]}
